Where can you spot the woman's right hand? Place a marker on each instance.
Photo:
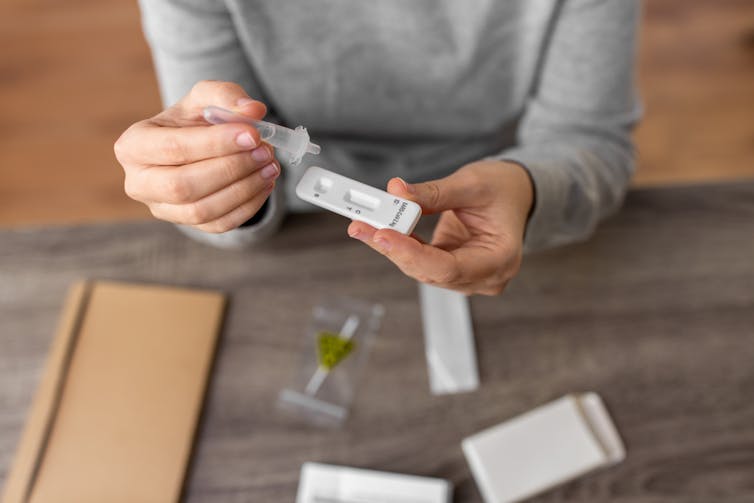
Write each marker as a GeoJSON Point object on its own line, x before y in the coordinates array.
{"type": "Point", "coordinates": [212, 177]}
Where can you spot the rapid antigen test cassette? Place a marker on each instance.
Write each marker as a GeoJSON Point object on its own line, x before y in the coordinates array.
{"type": "Point", "coordinates": [358, 201]}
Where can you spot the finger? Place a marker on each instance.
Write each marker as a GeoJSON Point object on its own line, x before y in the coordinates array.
{"type": "Point", "coordinates": [189, 183]}
{"type": "Point", "coordinates": [418, 238]}
{"type": "Point", "coordinates": [471, 264]}
{"type": "Point", "coordinates": [356, 225]}
{"type": "Point", "coordinates": [148, 144]}
{"type": "Point", "coordinates": [212, 92]}
{"type": "Point", "coordinates": [493, 289]}
{"type": "Point", "coordinates": [237, 216]}
{"type": "Point", "coordinates": [459, 190]}
{"type": "Point", "coordinates": [216, 205]}
{"type": "Point", "coordinates": [422, 262]}
{"type": "Point", "coordinates": [480, 266]}
{"type": "Point", "coordinates": [450, 233]}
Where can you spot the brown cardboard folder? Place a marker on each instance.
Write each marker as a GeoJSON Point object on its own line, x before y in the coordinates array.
{"type": "Point", "coordinates": [115, 413]}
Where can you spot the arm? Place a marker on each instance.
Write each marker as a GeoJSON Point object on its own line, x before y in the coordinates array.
{"type": "Point", "coordinates": [570, 169]}
{"type": "Point", "coordinates": [193, 41]}
{"type": "Point", "coordinates": [574, 139]}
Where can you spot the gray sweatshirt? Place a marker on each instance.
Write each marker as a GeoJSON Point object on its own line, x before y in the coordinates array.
{"type": "Point", "coordinates": [419, 88]}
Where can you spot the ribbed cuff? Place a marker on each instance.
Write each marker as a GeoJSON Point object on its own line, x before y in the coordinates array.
{"type": "Point", "coordinates": [258, 216]}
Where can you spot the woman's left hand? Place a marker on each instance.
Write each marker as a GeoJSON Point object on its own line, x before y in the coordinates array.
{"type": "Point", "coordinates": [477, 244]}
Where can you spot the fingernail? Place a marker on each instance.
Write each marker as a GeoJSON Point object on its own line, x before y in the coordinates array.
{"type": "Point", "coordinates": [382, 244]}
{"type": "Point", "coordinates": [409, 188]}
{"type": "Point", "coordinates": [244, 140]}
{"type": "Point", "coordinates": [244, 101]}
{"type": "Point", "coordinates": [261, 154]}
{"type": "Point", "coordinates": [269, 171]}
{"type": "Point", "coordinates": [356, 234]}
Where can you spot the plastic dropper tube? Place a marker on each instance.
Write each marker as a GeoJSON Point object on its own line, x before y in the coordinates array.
{"type": "Point", "coordinates": [294, 142]}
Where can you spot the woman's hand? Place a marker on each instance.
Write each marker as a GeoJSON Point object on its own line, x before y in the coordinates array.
{"type": "Point", "coordinates": [189, 172]}
{"type": "Point", "coordinates": [477, 244]}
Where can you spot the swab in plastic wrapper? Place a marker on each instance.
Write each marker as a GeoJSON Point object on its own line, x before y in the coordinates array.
{"type": "Point", "coordinates": [337, 345]}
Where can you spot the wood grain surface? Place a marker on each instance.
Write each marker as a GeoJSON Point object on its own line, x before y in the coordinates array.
{"type": "Point", "coordinates": [656, 313]}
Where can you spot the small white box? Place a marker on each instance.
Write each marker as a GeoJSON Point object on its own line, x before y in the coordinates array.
{"type": "Point", "coordinates": [321, 483]}
{"type": "Point", "coordinates": [540, 449]}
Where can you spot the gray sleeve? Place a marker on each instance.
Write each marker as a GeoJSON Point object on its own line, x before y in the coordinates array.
{"type": "Point", "coordinates": [193, 40]}
{"type": "Point", "coordinates": [575, 136]}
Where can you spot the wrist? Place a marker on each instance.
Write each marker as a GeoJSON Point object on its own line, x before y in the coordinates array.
{"type": "Point", "coordinates": [519, 179]}
{"type": "Point", "coordinates": [511, 193]}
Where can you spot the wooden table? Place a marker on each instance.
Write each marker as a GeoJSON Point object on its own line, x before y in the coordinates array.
{"type": "Point", "coordinates": [656, 313]}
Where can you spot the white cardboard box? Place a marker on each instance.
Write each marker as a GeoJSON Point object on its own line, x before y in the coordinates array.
{"type": "Point", "coordinates": [321, 483]}
{"type": "Point", "coordinates": [540, 449]}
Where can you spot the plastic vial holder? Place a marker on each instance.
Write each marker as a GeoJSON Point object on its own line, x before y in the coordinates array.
{"type": "Point", "coordinates": [337, 346]}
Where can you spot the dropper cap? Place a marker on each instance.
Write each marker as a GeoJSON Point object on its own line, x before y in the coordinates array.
{"type": "Point", "coordinates": [294, 142]}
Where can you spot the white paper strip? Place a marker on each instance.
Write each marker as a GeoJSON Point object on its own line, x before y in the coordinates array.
{"type": "Point", "coordinates": [448, 340]}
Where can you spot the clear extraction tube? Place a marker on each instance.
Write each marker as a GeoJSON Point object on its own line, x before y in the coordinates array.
{"type": "Point", "coordinates": [294, 142]}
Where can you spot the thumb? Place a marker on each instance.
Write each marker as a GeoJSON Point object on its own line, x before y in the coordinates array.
{"type": "Point", "coordinates": [452, 192]}
{"type": "Point", "coordinates": [228, 95]}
